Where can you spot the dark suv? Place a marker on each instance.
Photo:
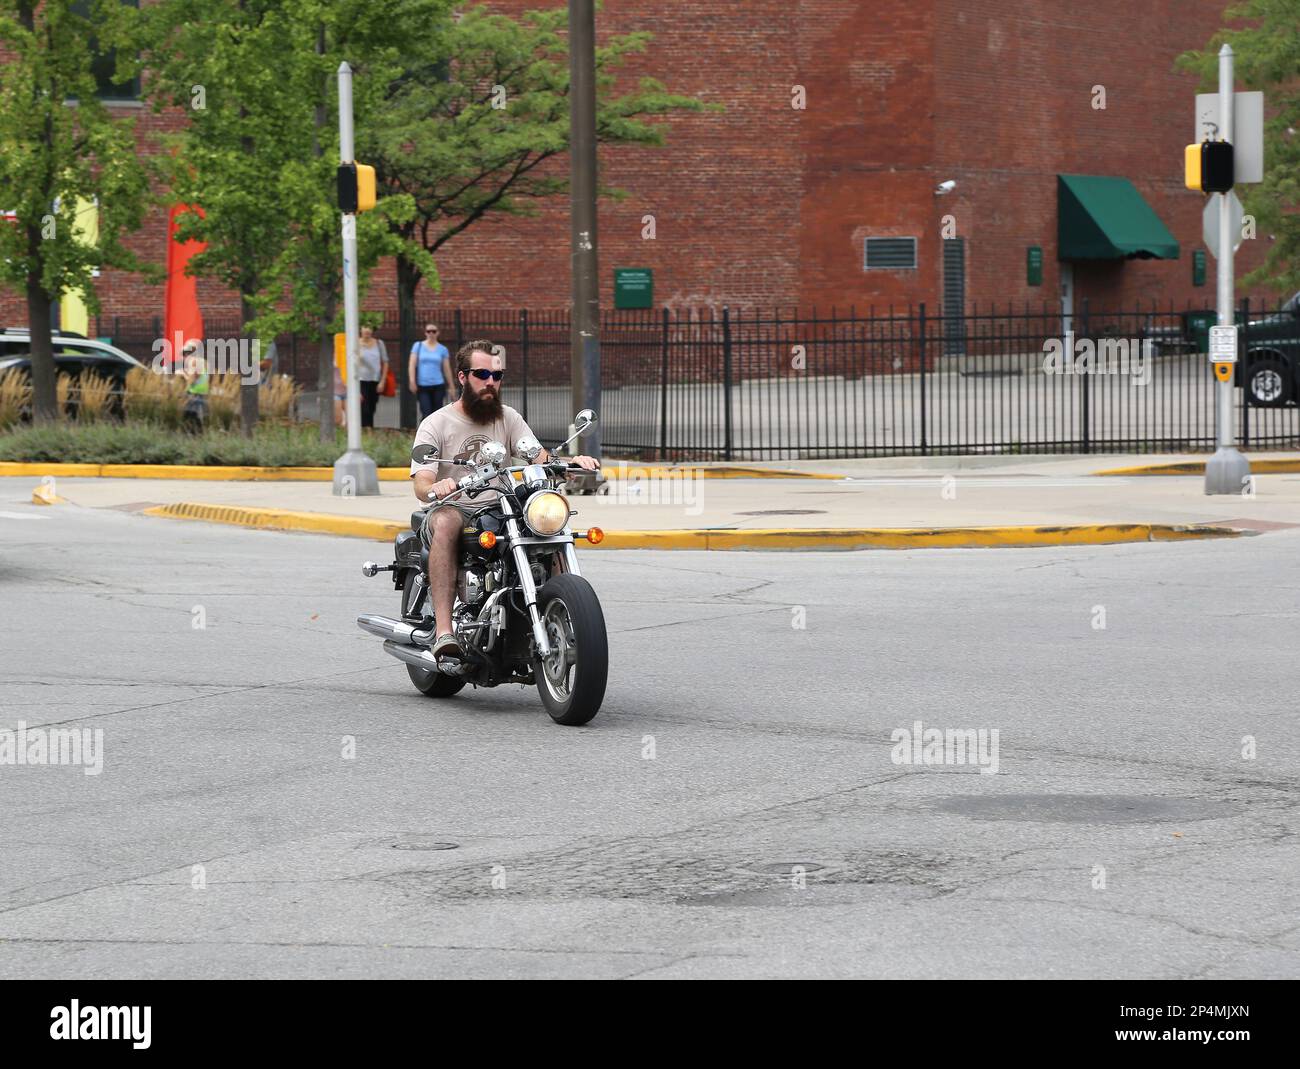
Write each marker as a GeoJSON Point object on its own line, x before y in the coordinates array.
{"type": "Point", "coordinates": [1269, 370]}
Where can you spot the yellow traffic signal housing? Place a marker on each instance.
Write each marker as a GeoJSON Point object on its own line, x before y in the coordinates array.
{"type": "Point", "coordinates": [356, 187]}
{"type": "Point", "coordinates": [1208, 167]}
{"type": "Point", "coordinates": [365, 187]}
{"type": "Point", "coordinates": [1192, 167]}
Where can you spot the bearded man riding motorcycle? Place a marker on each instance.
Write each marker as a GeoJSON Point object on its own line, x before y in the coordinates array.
{"type": "Point", "coordinates": [458, 431]}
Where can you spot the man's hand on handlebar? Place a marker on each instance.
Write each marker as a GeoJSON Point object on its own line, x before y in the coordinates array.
{"type": "Point", "coordinates": [442, 489]}
{"type": "Point", "coordinates": [590, 463]}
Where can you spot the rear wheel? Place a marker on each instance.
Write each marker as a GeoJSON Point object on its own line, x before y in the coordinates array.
{"type": "Point", "coordinates": [434, 684]}
{"type": "Point", "coordinates": [571, 682]}
{"type": "Point", "coordinates": [1268, 382]}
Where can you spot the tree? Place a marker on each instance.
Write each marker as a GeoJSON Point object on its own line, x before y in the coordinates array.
{"type": "Point", "coordinates": [260, 150]}
{"type": "Point", "coordinates": [468, 129]}
{"type": "Point", "coordinates": [60, 147]}
{"type": "Point", "coordinates": [1267, 55]}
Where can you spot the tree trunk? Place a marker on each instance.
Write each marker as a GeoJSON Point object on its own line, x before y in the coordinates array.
{"type": "Point", "coordinates": [408, 280]}
{"type": "Point", "coordinates": [45, 403]}
{"type": "Point", "coordinates": [247, 390]}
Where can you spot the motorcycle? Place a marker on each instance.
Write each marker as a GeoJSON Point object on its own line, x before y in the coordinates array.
{"type": "Point", "coordinates": [523, 613]}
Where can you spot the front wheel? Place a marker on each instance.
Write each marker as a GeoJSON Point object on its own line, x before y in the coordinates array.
{"type": "Point", "coordinates": [571, 681]}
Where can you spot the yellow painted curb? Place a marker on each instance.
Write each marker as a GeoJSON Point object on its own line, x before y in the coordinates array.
{"type": "Point", "coordinates": [1285, 466]}
{"type": "Point", "coordinates": [281, 519]}
{"type": "Point", "coordinates": [910, 538]}
{"type": "Point", "coordinates": [731, 538]}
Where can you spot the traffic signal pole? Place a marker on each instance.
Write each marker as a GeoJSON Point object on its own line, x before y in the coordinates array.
{"type": "Point", "coordinates": [1228, 471]}
{"type": "Point", "coordinates": [355, 472]}
{"type": "Point", "coordinates": [585, 338]}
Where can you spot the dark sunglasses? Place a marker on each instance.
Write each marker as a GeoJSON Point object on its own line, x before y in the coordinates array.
{"type": "Point", "coordinates": [483, 374]}
{"type": "Point", "coordinates": [430, 330]}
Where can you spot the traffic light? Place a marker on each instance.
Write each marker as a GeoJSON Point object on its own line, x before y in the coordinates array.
{"type": "Point", "coordinates": [1208, 167]}
{"type": "Point", "coordinates": [356, 187]}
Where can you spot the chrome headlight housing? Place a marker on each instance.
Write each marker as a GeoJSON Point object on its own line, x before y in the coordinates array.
{"type": "Point", "coordinates": [546, 512]}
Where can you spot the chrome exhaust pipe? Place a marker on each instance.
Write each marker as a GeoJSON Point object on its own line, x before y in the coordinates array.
{"type": "Point", "coordinates": [423, 659]}
{"type": "Point", "coordinates": [392, 630]}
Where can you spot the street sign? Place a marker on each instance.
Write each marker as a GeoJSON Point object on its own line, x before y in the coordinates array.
{"type": "Point", "coordinates": [1247, 131]}
{"type": "Point", "coordinates": [1210, 221]}
{"type": "Point", "coordinates": [1034, 265]}
{"type": "Point", "coordinates": [1223, 345]}
{"type": "Point", "coordinates": [634, 287]}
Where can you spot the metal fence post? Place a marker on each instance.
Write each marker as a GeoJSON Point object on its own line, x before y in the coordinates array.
{"type": "Point", "coordinates": [726, 381]}
{"type": "Point", "coordinates": [1243, 317]}
{"type": "Point", "coordinates": [663, 393]}
{"type": "Point", "coordinates": [925, 446]}
{"type": "Point", "coordinates": [1085, 413]}
{"type": "Point", "coordinates": [523, 348]}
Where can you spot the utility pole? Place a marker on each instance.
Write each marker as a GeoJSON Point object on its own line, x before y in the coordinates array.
{"type": "Point", "coordinates": [355, 472]}
{"type": "Point", "coordinates": [1228, 470]}
{"type": "Point", "coordinates": [585, 335]}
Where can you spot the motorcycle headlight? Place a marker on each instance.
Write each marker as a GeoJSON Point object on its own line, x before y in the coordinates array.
{"type": "Point", "coordinates": [547, 512]}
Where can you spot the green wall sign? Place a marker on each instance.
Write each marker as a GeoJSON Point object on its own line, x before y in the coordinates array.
{"type": "Point", "coordinates": [634, 287]}
{"type": "Point", "coordinates": [1034, 265]}
{"type": "Point", "coordinates": [1198, 267]}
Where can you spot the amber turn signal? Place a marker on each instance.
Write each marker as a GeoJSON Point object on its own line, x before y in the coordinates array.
{"type": "Point", "coordinates": [487, 539]}
{"type": "Point", "coordinates": [595, 535]}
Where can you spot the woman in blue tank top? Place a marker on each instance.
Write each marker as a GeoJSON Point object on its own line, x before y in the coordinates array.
{"type": "Point", "coordinates": [429, 372]}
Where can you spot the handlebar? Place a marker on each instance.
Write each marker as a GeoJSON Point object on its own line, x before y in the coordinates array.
{"type": "Point", "coordinates": [477, 481]}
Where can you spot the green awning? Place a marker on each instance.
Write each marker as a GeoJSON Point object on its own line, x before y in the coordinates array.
{"type": "Point", "coordinates": [1102, 218]}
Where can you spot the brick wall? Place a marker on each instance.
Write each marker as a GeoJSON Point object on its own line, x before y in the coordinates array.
{"type": "Point", "coordinates": [765, 205]}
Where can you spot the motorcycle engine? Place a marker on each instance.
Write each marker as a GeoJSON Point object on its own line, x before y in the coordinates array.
{"type": "Point", "coordinates": [470, 585]}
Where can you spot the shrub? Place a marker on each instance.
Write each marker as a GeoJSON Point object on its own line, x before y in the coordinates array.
{"type": "Point", "coordinates": [15, 396]}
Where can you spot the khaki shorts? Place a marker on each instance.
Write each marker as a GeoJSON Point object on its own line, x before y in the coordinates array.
{"type": "Point", "coordinates": [467, 514]}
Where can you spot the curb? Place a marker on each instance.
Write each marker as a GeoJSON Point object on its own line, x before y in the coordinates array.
{"type": "Point", "coordinates": [824, 538]}
{"type": "Point", "coordinates": [219, 473]}
{"type": "Point", "coordinates": [1197, 467]}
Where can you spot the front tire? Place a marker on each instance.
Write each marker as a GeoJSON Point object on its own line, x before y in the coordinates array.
{"type": "Point", "coordinates": [571, 682]}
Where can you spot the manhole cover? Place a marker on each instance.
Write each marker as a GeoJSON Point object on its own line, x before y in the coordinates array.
{"type": "Point", "coordinates": [784, 512]}
{"type": "Point", "coordinates": [1086, 808]}
{"type": "Point", "coordinates": [420, 842]}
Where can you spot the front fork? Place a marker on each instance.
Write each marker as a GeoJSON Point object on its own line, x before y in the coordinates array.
{"type": "Point", "coordinates": [525, 570]}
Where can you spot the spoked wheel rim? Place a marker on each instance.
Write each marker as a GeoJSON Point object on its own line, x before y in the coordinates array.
{"type": "Point", "coordinates": [558, 669]}
{"type": "Point", "coordinates": [1266, 385]}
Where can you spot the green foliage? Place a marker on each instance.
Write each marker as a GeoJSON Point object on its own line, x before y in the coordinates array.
{"type": "Point", "coordinates": [54, 153]}
{"type": "Point", "coordinates": [469, 128]}
{"type": "Point", "coordinates": [297, 445]}
{"type": "Point", "coordinates": [1267, 57]}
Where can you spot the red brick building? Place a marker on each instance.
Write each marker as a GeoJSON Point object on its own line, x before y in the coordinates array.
{"type": "Point", "coordinates": [768, 204]}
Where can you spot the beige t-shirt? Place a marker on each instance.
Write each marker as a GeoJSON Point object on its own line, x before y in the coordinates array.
{"type": "Point", "coordinates": [458, 437]}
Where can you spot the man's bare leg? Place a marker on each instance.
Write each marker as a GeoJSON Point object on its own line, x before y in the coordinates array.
{"type": "Point", "coordinates": [445, 527]}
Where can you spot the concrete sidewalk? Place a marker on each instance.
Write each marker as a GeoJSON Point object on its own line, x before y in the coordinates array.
{"type": "Point", "coordinates": [930, 494]}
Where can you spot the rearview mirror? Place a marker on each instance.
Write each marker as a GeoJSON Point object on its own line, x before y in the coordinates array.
{"type": "Point", "coordinates": [584, 421]}
{"type": "Point", "coordinates": [424, 453]}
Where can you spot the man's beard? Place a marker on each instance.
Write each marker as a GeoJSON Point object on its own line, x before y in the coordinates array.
{"type": "Point", "coordinates": [483, 407]}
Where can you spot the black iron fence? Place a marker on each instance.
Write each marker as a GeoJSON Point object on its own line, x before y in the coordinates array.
{"type": "Point", "coordinates": [732, 385]}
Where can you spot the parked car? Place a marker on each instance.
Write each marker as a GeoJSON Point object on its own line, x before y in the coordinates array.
{"type": "Point", "coordinates": [1269, 369]}
{"type": "Point", "coordinates": [74, 355]}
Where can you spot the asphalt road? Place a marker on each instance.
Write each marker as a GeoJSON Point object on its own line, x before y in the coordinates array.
{"type": "Point", "coordinates": [233, 829]}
